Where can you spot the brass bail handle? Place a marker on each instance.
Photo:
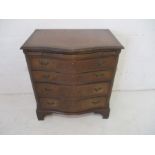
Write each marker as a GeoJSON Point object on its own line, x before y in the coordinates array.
{"type": "Point", "coordinates": [95, 102]}
{"type": "Point", "coordinates": [51, 103]}
{"type": "Point", "coordinates": [97, 89]}
{"type": "Point", "coordinates": [98, 74]}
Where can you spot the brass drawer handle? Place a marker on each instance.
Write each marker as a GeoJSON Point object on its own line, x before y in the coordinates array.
{"type": "Point", "coordinates": [52, 103]}
{"type": "Point", "coordinates": [95, 102]}
{"type": "Point", "coordinates": [99, 74]}
{"type": "Point", "coordinates": [44, 62]}
{"type": "Point", "coordinates": [97, 89]}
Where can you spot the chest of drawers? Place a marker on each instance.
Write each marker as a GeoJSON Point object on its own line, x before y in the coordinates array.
{"type": "Point", "coordinates": [72, 71]}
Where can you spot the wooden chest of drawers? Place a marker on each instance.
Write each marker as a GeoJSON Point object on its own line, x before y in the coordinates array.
{"type": "Point", "coordinates": [72, 71]}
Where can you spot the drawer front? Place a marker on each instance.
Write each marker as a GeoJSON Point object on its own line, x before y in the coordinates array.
{"type": "Point", "coordinates": [98, 89]}
{"type": "Point", "coordinates": [97, 76]}
{"type": "Point", "coordinates": [72, 106]}
{"type": "Point", "coordinates": [92, 103]}
{"type": "Point", "coordinates": [90, 55]}
{"type": "Point", "coordinates": [50, 103]}
{"type": "Point", "coordinates": [81, 91]}
{"type": "Point", "coordinates": [96, 64]}
{"type": "Point", "coordinates": [73, 65]}
{"type": "Point", "coordinates": [53, 90]}
{"type": "Point", "coordinates": [51, 64]}
{"type": "Point", "coordinates": [43, 76]}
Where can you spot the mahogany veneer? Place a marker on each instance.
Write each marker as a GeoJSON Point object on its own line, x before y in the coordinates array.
{"type": "Point", "coordinates": [72, 70]}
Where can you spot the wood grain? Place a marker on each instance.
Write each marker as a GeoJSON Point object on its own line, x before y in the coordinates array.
{"type": "Point", "coordinates": [72, 40]}
{"type": "Point", "coordinates": [72, 71]}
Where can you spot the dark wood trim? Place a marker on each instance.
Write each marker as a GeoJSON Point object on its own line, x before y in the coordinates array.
{"type": "Point", "coordinates": [36, 51]}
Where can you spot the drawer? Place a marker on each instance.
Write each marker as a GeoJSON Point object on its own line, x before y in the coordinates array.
{"type": "Point", "coordinates": [78, 91]}
{"type": "Point", "coordinates": [96, 76]}
{"type": "Point", "coordinates": [73, 65]}
{"type": "Point", "coordinates": [96, 64]}
{"type": "Point", "coordinates": [96, 54]}
{"type": "Point", "coordinates": [72, 106]}
{"type": "Point", "coordinates": [43, 76]}
{"type": "Point", "coordinates": [54, 90]}
{"type": "Point", "coordinates": [91, 103]}
{"type": "Point", "coordinates": [98, 89]}
{"type": "Point", "coordinates": [50, 103]}
{"type": "Point", "coordinates": [51, 64]}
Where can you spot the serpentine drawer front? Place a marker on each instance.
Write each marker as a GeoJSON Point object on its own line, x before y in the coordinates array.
{"type": "Point", "coordinates": [72, 70]}
{"type": "Point", "coordinates": [80, 66]}
{"type": "Point", "coordinates": [69, 79]}
{"type": "Point", "coordinates": [71, 106]}
{"type": "Point", "coordinates": [80, 91]}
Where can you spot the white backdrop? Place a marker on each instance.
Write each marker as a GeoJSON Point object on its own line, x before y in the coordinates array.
{"type": "Point", "coordinates": [136, 67]}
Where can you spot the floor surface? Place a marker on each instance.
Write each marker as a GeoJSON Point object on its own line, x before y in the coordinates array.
{"type": "Point", "coordinates": [131, 113]}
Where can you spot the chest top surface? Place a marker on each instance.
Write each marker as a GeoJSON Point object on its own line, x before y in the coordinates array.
{"type": "Point", "coordinates": [71, 40]}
